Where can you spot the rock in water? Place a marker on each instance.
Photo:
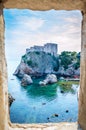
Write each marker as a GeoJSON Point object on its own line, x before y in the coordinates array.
{"type": "Point", "coordinates": [26, 80]}
{"type": "Point", "coordinates": [42, 83]}
{"type": "Point", "coordinates": [23, 69]}
{"type": "Point", "coordinates": [11, 99]}
{"type": "Point", "coordinates": [51, 78]}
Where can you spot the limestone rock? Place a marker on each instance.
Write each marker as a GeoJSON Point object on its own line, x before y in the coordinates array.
{"type": "Point", "coordinates": [61, 70]}
{"type": "Point", "coordinates": [11, 99]}
{"type": "Point", "coordinates": [26, 80]}
{"type": "Point", "coordinates": [22, 69]}
{"type": "Point", "coordinates": [61, 78]}
{"type": "Point", "coordinates": [37, 64]}
{"type": "Point", "coordinates": [70, 71]}
{"type": "Point", "coordinates": [42, 83]}
{"type": "Point", "coordinates": [51, 78]}
{"type": "Point", "coordinates": [77, 72]}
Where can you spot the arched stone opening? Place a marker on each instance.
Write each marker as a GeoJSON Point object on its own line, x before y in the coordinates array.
{"type": "Point", "coordinates": [42, 5]}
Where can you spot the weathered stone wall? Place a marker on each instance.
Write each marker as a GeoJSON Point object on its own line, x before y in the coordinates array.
{"type": "Point", "coordinates": [48, 48]}
{"type": "Point", "coordinates": [3, 79]}
{"type": "Point", "coordinates": [51, 48]}
{"type": "Point", "coordinates": [45, 4]}
{"type": "Point", "coordinates": [50, 126]}
{"type": "Point", "coordinates": [82, 96]}
{"type": "Point", "coordinates": [42, 5]}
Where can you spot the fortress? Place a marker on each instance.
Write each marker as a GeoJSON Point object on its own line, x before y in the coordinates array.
{"type": "Point", "coordinates": [47, 48]}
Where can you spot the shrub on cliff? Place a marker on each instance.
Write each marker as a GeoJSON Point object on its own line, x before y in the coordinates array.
{"type": "Point", "coordinates": [67, 58]}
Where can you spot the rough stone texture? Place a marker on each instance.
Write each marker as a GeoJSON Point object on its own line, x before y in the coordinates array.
{"type": "Point", "coordinates": [26, 80]}
{"type": "Point", "coordinates": [11, 99]}
{"type": "Point", "coordinates": [45, 4]}
{"type": "Point", "coordinates": [50, 126]}
{"type": "Point", "coordinates": [42, 5]}
{"type": "Point", "coordinates": [50, 79]}
{"type": "Point", "coordinates": [82, 96]}
{"type": "Point", "coordinates": [3, 79]}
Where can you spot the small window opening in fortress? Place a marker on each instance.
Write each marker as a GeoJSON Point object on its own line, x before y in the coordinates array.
{"type": "Point", "coordinates": [43, 61]}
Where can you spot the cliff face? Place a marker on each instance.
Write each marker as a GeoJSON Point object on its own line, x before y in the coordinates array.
{"type": "Point", "coordinates": [40, 63]}
{"type": "Point", "coordinates": [37, 63]}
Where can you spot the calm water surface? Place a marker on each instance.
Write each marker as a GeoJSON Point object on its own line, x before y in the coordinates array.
{"type": "Point", "coordinates": [35, 104]}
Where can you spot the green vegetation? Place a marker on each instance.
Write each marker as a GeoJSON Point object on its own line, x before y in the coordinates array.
{"type": "Point", "coordinates": [24, 58]}
{"type": "Point", "coordinates": [68, 58]}
{"type": "Point", "coordinates": [37, 52]}
{"type": "Point", "coordinates": [67, 83]}
{"type": "Point", "coordinates": [32, 64]}
{"type": "Point", "coordinates": [66, 86]}
{"type": "Point", "coordinates": [56, 68]}
{"type": "Point", "coordinates": [29, 62]}
{"type": "Point", "coordinates": [77, 64]}
{"type": "Point", "coordinates": [49, 53]}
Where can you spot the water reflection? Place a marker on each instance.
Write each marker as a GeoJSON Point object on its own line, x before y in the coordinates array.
{"type": "Point", "coordinates": [28, 105]}
{"type": "Point", "coordinates": [67, 89]}
{"type": "Point", "coordinates": [40, 104]}
{"type": "Point", "coordinates": [49, 92]}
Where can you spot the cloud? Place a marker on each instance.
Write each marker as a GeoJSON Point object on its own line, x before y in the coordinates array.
{"type": "Point", "coordinates": [73, 19]}
{"type": "Point", "coordinates": [31, 23]}
{"type": "Point", "coordinates": [28, 23]}
{"type": "Point", "coordinates": [35, 23]}
{"type": "Point", "coordinates": [28, 29]}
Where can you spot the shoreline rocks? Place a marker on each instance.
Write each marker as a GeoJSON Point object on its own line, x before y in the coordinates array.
{"type": "Point", "coordinates": [51, 78]}
{"type": "Point", "coordinates": [36, 64]}
{"type": "Point", "coordinates": [11, 99]}
{"type": "Point", "coordinates": [40, 63]}
{"type": "Point", "coordinates": [23, 69]}
{"type": "Point", "coordinates": [26, 80]}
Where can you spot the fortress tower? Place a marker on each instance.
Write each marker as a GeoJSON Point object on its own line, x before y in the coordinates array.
{"type": "Point", "coordinates": [51, 48]}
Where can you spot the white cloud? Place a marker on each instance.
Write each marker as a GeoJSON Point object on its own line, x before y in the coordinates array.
{"type": "Point", "coordinates": [28, 31]}
{"type": "Point", "coordinates": [34, 23]}
{"type": "Point", "coordinates": [73, 19]}
{"type": "Point", "coordinates": [30, 23]}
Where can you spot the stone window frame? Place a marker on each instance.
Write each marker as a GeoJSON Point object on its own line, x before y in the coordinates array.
{"type": "Point", "coordinates": [5, 123]}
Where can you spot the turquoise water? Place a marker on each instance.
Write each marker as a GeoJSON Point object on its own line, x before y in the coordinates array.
{"type": "Point", "coordinates": [35, 104]}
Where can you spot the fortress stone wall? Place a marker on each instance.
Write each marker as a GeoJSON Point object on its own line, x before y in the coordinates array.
{"type": "Point", "coordinates": [48, 48]}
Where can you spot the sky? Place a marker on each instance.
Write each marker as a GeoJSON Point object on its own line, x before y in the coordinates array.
{"type": "Point", "coordinates": [25, 28]}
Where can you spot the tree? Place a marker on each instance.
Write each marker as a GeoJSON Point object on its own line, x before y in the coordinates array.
{"type": "Point", "coordinates": [67, 58]}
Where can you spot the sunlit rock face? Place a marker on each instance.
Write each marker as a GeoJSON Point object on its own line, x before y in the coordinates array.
{"type": "Point", "coordinates": [37, 64]}
{"type": "Point", "coordinates": [50, 79]}
{"type": "Point", "coordinates": [26, 80]}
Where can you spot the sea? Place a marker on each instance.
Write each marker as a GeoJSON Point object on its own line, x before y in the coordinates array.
{"type": "Point", "coordinates": [36, 104]}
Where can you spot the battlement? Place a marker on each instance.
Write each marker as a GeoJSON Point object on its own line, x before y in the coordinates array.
{"type": "Point", "coordinates": [48, 48]}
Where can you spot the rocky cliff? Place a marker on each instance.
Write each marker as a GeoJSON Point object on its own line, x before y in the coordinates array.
{"type": "Point", "coordinates": [41, 63]}
{"type": "Point", "coordinates": [36, 64]}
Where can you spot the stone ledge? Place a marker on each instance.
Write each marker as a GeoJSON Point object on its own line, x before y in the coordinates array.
{"type": "Point", "coordinates": [45, 4]}
{"type": "Point", "coordinates": [47, 126]}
